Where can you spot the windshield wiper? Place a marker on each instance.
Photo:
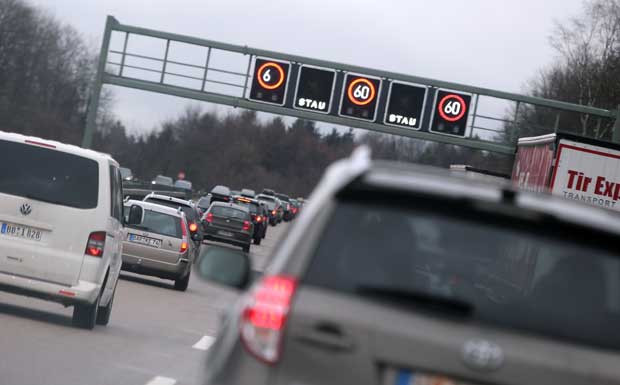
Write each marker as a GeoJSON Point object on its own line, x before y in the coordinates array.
{"type": "Point", "coordinates": [417, 299]}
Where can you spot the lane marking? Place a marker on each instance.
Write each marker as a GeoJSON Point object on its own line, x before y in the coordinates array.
{"type": "Point", "coordinates": [204, 343]}
{"type": "Point", "coordinates": [159, 380]}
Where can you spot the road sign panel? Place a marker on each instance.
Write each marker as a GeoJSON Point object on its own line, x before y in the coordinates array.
{"type": "Point", "coordinates": [450, 113]}
{"type": "Point", "coordinates": [315, 89]}
{"type": "Point", "coordinates": [405, 105]}
{"type": "Point", "coordinates": [269, 82]}
{"type": "Point", "coordinates": [360, 96]}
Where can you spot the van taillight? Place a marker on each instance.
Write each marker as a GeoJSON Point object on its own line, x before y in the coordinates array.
{"type": "Point", "coordinates": [246, 226]}
{"type": "Point", "coordinates": [183, 246]}
{"type": "Point", "coordinates": [209, 218]}
{"type": "Point", "coordinates": [95, 244]}
{"type": "Point", "coordinates": [264, 317]}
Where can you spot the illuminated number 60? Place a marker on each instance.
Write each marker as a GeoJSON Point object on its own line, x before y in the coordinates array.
{"type": "Point", "coordinates": [361, 92]}
{"type": "Point", "coordinates": [453, 108]}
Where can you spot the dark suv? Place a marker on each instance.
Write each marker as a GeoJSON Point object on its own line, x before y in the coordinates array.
{"type": "Point", "coordinates": [286, 205]}
{"type": "Point", "coordinates": [395, 274]}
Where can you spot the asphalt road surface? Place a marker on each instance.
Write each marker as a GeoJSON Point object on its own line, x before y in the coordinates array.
{"type": "Point", "coordinates": [156, 336]}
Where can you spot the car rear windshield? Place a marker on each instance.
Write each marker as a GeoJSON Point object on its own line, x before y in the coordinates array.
{"type": "Point", "coordinates": [48, 175]}
{"type": "Point", "coordinates": [270, 204]}
{"type": "Point", "coordinates": [229, 212]}
{"type": "Point", "coordinates": [190, 213]}
{"type": "Point", "coordinates": [504, 276]}
{"type": "Point", "coordinates": [159, 223]}
{"type": "Point", "coordinates": [204, 203]}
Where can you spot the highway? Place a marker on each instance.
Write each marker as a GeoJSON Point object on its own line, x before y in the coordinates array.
{"type": "Point", "coordinates": [156, 335]}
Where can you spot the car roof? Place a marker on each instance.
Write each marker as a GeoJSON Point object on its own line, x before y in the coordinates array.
{"type": "Point", "coordinates": [155, 207]}
{"type": "Point", "coordinates": [54, 145]}
{"type": "Point", "coordinates": [232, 205]}
{"type": "Point", "coordinates": [220, 189]}
{"type": "Point", "coordinates": [167, 198]}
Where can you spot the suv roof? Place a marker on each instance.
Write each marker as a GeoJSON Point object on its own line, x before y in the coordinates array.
{"type": "Point", "coordinates": [54, 145]}
{"type": "Point", "coordinates": [221, 190]}
{"type": "Point", "coordinates": [155, 207]}
{"type": "Point", "coordinates": [166, 198]}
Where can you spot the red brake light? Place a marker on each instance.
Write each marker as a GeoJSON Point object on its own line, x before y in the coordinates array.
{"type": "Point", "coordinates": [246, 226]}
{"type": "Point", "coordinates": [259, 219]}
{"type": "Point", "coordinates": [209, 218]}
{"type": "Point", "coordinates": [193, 227]}
{"type": "Point", "coordinates": [95, 244]}
{"type": "Point", "coordinates": [274, 212]}
{"type": "Point", "coordinates": [264, 317]}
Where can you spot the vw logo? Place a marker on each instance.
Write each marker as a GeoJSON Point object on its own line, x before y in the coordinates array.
{"type": "Point", "coordinates": [25, 209]}
{"type": "Point", "coordinates": [482, 355]}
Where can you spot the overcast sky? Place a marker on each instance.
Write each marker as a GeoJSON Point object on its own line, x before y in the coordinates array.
{"type": "Point", "coordinates": [497, 44]}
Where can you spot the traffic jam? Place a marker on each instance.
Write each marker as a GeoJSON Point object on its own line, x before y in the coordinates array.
{"type": "Point", "coordinates": [387, 273]}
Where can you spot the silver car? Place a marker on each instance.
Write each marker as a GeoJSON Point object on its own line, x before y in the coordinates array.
{"type": "Point", "coordinates": [160, 245]}
{"type": "Point", "coordinates": [396, 274]}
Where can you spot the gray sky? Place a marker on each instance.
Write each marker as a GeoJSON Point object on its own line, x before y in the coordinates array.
{"type": "Point", "coordinates": [497, 44]}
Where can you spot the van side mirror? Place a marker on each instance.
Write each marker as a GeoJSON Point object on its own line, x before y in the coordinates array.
{"type": "Point", "coordinates": [224, 266]}
{"type": "Point", "coordinates": [136, 215]}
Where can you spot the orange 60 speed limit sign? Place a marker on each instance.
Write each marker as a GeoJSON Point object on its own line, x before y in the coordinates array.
{"type": "Point", "coordinates": [360, 97]}
{"type": "Point", "coordinates": [269, 81]}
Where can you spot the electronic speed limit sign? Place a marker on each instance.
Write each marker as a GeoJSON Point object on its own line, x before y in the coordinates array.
{"type": "Point", "coordinates": [360, 96]}
{"type": "Point", "coordinates": [269, 82]}
{"type": "Point", "coordinates": [451, 113]}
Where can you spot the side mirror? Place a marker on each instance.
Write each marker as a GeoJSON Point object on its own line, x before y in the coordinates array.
{"type": "Point", "coordinates": [196, 237]}
{"type": "Point", "coordinates": [228, 267]}
{"type": "Point", "coordinates": [136, 214]}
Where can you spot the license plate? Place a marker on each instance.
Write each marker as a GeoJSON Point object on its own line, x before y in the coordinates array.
{"type": "Point", "coordinates": [406, 377]}
{"type": "Point", "coordinates": [225, 233]}
{"type": "Point", "coordinates": [147, 241]}
{"type": "Point", "coordinates": [20, 231]}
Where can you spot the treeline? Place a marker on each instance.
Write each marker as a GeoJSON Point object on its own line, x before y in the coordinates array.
{"type": "Point", "coordinates": [238, 151]}
{"type": "Point", "coordinates": [46, 70]}
{"type": "Point", "coordinates": [586, 71]}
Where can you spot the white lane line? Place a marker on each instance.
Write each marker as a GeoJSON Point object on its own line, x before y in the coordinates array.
{"type": "Point", "coordinates": [204, 343]}
{"type": "Point", "coordinates": [159, 380]}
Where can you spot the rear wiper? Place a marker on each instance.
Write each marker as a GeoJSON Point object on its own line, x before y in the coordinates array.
{"type": "Point", "coordinates": [417, 299]}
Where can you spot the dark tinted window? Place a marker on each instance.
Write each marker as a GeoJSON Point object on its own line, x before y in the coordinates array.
{"type": "Point", "coordinates": [204, 202]}
{"type": "Point", "coordinates": [509, 278]}
{"type": "Point", "coordinates": [116, 194]}
{"type": "Point", "coordinates": [48, 175]}
{"type": "Point", "coordinates": [229, 212]}
{"type": "Point", "coordinates": [159, 223]}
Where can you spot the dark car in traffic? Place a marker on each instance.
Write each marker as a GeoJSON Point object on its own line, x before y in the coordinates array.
{"type": "Point", "coordinates": [274, 208]}
{"type": "Point", "coordinates": [286, 206]}
{"type": "Point", "coordinates": [256, 213]}
{"type": "Point", "coordinates": [396, 274]}
{"type": "Point", "coordinates": [229, 223]}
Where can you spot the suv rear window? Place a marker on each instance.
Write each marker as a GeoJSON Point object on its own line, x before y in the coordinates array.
{"type": "Point", "coordinates": [229, 212]}
{"type": "Point", "coordinates": [190, 212]}
{"type": "Point", "coordinates": [48, 175]}
{"type": "Point", "coordinates": [159, 223]}
{"type": "Point", "coordinates": [504, 276]}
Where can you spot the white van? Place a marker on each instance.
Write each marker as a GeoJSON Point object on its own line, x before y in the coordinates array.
{"type": "Point", "coordinates": [61, 221]}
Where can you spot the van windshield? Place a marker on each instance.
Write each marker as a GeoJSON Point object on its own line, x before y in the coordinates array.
{"type": "Point", "coordinates": [48, 175]}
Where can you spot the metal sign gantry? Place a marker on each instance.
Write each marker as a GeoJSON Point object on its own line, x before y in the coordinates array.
{"type": "Point", "coordinates": [311, 89]}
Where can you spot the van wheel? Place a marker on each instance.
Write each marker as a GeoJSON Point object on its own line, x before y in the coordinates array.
{"type": "Point", "coordinates": [103, 315]}
{"type": "Point", "coordinates": [182, 283]}
{"type": "Point", "coordinates": [85, 315]}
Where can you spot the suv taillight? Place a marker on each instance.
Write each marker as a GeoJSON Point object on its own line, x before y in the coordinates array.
{"type": "Point", "coordinates": [209, 218]}
{"type": "Point", "coordinates": [184, 235]}
{"type": "Point", "coordinates": [246, 226]}
{"type": "Point", "coordinates": [264, 317]}
{"type": "Point", "coordinates": [95, 244]}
